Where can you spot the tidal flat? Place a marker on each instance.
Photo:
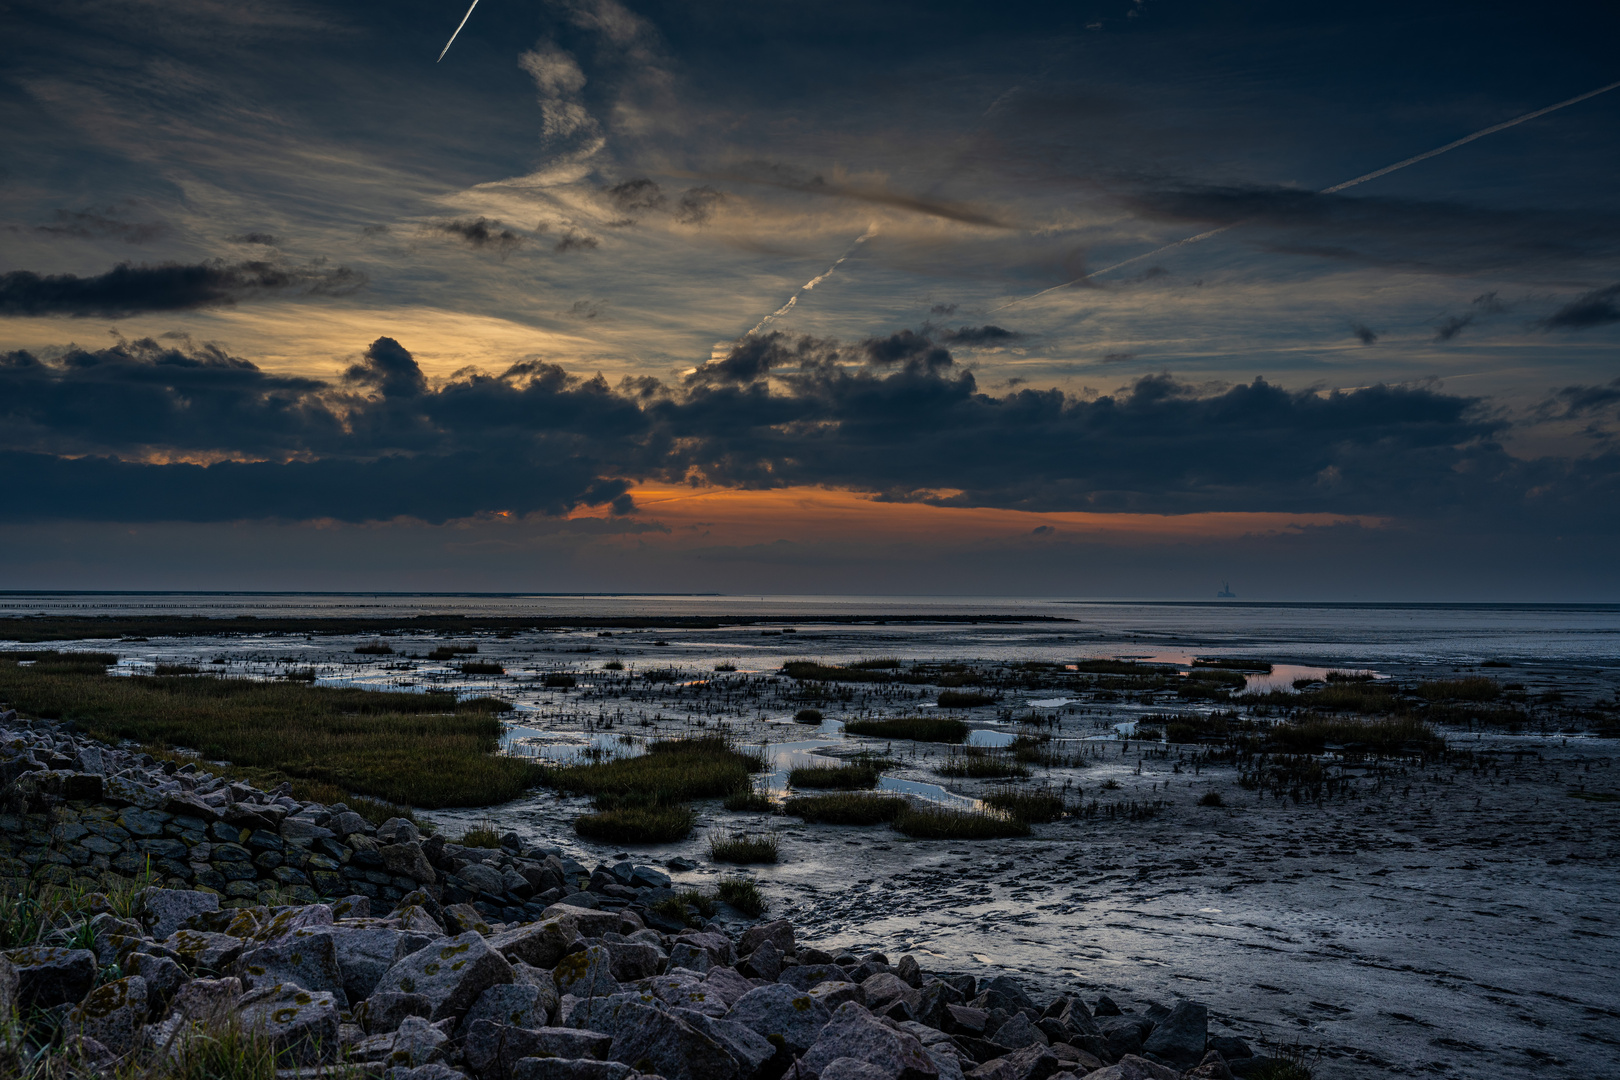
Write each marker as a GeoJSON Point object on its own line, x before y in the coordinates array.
{"type": "Point", "coordinates": [1388, 909]}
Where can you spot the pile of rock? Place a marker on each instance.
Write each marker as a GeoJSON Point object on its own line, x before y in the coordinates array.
{"type": "Point", "coordinates": [494, 964]}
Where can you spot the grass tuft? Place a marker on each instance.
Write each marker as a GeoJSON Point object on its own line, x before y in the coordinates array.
{"type": "Point", "coordinates": [1211, 798]}
{"type": "Point", "coordinates": [654, 824]}
{"type": "Point", "coordinates": [837, 777]}
{"type": "Point", "coordinates": [743, 848]}
{"type": "Point", "coordinates": [481, 667]}
{"type": "Point", "coordinates": [743, 895]}
{"type": "Point", "coordinates": [749, 800]}
{"type": "Point", "coordinates": [1384, 737]}
{"type": "Point", "coordinates": [930, 822]}
{"type": "Point", "coordinates": [482, 835]}
{"type": "Point", "coordinates": [177, 669]}
{"type": "Point", "coordinates": [671, 771]}
{"type": "Point", "coordinates": [964, 699]}
{"type": "Point", "coordinates": [807, 716]}
{"type": "Point", "coordinates": [937, 729]}
{"type": "Point", "coordinates": [847, 808]}
{"type": "Point", "coordinates": [1034, 805]}
{"type": "Point", "coordinates": [1471, 688]}
{"type": "Point", "coordinates": [375, 648]}
{"type": "Point", "coordinates": [981, 763]}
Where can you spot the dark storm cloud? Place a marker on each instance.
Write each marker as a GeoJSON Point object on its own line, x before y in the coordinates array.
{"type": "Point", "coordinates": [1596, 308]}
{"type": "Point", "coordinates": [1573, 402]}
{"type": "Point", "coordinates": [254, 238]}
{"type": "Point", "coordinates": [892, 414]}
{"type": "Point", "coordinates": [128, 290]}
{"type": "Point", "coordinates": [635, 196]}
{"type": "Point", "coordinates": [1364, 334]}
{"type": "Point", "coordinates": [979, 335]}
{"type": "Point", "coordinates": [697, 205]}
{"type": "Point", "coordinates": [577, 241]}
{"type": "Point", "coordinates": [107, 222]}
{"type": "Point", "coordinates": [772, 174]}
{"type": "Point", "coordinates": [482, 232]}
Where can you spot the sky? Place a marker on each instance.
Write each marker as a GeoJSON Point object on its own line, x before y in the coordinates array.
{"type": "Point", "coordinates": [843, 298]}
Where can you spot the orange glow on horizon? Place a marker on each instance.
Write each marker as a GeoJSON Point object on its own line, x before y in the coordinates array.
{"type": "Point", "coordinates": [803, 514]}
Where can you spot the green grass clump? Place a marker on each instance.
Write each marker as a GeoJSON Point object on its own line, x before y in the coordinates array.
{"type": "Point", "coordinates": [807, 716]}
{"type": "Point", "coordinates": [654, 824]}
{"type": "Point", "coordinates": [940, 729]}
{"type": "Point", "coordinates": [885, 663]}
{"type": "Point", "coordinates": [1384, 737]}
{"type": "Point", "coordinates": [481, 667]}
{"type": "Point", "coordinates": [426, 750]}
{"type": "Point", "coordinates": [930, 822]}
{"type": "Point", "coordinates": [177, 669]}
{"type": "Point", "coordinates": [671, 771]}
{"type": "Point", "coordinates": [1470, 688]}
{"type": "Point", "coordinates": [450, 652]}
{"type": "Point", "coordinates": [743, 848]}
{"type": "Point", "coordinates": [1123, 667]}
{"type": "Point", "coordinates": [847, 808]}
{"type": "Point", "coordinates": [964, 699]}
{"type": "Point", "coordinates": [557, 679]}
{"type": "Point", "coordinates": [838, 777]}
{"type": "Point", "coordinates": [981, 763]}
{"type": "Point", "coordinates": [613, 665]}
{"type": "Point", "coordinates": [743, 895]}
{"type": "Point", "coordinates": [1232, 664]}
{"type": "Point", "coordinates": [482, 835]}
{"type": "Point", "coordinates": [1345, 696]}
{"type": "Point", "coordinates": [725, 667]}
{"type": "Point", "coordinates": [375, 648]}
{"type": "Point", "coordinates": [1211, 798]}
{"type": "Point", "coordinates": [1035, 805]}
{"type": "Point", "coordinates": [749, 800]}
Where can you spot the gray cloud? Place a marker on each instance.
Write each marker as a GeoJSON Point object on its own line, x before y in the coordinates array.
{"type": "Point", "coordinates": [127, 289]}
{"type": "Point", "coordinates": [107, 222]}
{"type": "Point", "coordinates": [1596, 308]}
{"type": "Point", "coordinates": [482, 232]}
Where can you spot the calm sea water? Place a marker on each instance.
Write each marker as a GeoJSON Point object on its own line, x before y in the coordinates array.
{"type": "Point", "coordinates": [1364, 634]}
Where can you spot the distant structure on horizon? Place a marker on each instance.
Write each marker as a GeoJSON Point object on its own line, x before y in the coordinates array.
{"type": "Point", "coordinates": [1226, 592]}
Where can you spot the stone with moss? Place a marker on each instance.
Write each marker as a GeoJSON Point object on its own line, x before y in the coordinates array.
{"type": "Point", "coordinates": [451, 973]}
{"type": "Point", "coordinates": [113, 1014]}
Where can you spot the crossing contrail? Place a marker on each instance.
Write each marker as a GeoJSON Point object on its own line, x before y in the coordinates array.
{"type": "Point", "coordinates": [1362, 179]}
{"type": "Point", "coordinates": [452, 40]}
{"type": "Point", "coordinates": [813, 282]}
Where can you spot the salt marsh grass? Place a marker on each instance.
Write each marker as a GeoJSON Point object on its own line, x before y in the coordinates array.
{"type": "Point", "coordinates": [922, 821]}
{"type": "Point", "coordinates": [743, 847]}
{"type": "Point", "coordinates": [848, 808]}
{"type": "Point", "coordinates": [938, 729]}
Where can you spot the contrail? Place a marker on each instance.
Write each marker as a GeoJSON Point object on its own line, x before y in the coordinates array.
{"type": "Point", "coordinates": [452, 40]}
{"type": "Point", "coordinates": [813, 282]}
{"type": "Point", "coordinates": [1375, 174]}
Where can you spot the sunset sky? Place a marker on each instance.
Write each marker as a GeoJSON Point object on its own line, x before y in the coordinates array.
{"type": "Point", "coordinates": [286, 304]}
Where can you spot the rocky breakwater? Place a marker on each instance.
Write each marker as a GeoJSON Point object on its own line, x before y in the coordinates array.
{"type": "Point", "coordinates": [430, 961]}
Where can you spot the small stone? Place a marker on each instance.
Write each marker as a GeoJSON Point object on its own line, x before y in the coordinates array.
{"type": "Point", "coordinates": [302, 1024]}
{"type": "Point", "coordinates": [112, 1014]}
{"type": "Point", "coordinates": [778, 933]}
{"type": "Point", "coordinates": [416, 1042]}
{"type": "Point", "coordinates": [49, 976]}
{"type": "Point", "coordinates": [516, 1004]}
{"type": "Point", "coordinates": [1181, 1036]}
{"type": "Point", "coordinates": [491, 1047]}
{"type": "Point", "coordinates": [1131, 1067]}
{"type": "Point", "coordinates": [853, 1032]}
{"type": "Point", "coordinates": [587, 973]}
{"type": "Point", "coordinates": [163, 976]}
{"type": "Point", "coordinates": [451, 973]}
{"type": "Point", "coordinates": [309, 962]}
{"type": "Point", "coordinates": [382, 1013]}
{"type": "Point", "coordinates": [690, 957]}
{"type": "Point", "coordinates": [765, 962]}
{"type": "Point", "coordinates": [1018, 1032]}
{"type": "Point", "coordinates": [397, 831]}
{"type": "Point", "coordinates": [782, 1015]}
{"type": "Point", "coordinates": [460, 918]}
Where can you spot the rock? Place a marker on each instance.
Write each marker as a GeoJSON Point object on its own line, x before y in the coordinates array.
{"type": "Point", "coordinates": [671, 1047]}
{"type": "Point", "coordinates": [1121, 1034]}
{"type": "Point", "coordinates": [207, 1001]}
{"type": "Point", "coordinates": [492, 1049]}
{"type": "Point", "coordinates": [460, 918]}
{"type": "Point", "coordinates": [690, 957]}
{"type": "Point", "coordinates": [286, 924]}
{"type": "Point", "coordinates": [1180, 1037]}
{"type": "Point", "coordinates": [1018, 1032]}
{"type": "Point", "coordinates": [909, 972]}
{"type": "Point", "coordinates": [882, 988]}
{"type": "Point", "coordinates": [451, 974]}
{"type": "Point", "coordinates": [848, 1068]}
{"type": "Point", "coordinates": [685, 992]}
{"type": "Point", "coordinates": [49, 976]}
{"type": "Point", "coordinates": [718, 945]}
{"type": "Point", "coordinates": [309, 962]}
{"type": "Point", "coordinates": [432, 1071]}
{"type": "Point", "coordinates": [587, 973]}
{"type": "Point", "coordinates": [854, 1033]}
{"type": "Point", "coordinates": [778, 1012]}
{"type": "Point", "coordinates": [1131, 1067]}
{"type": "Point", "coordinates": [1230, 1046]}
{"type": "Point", "coordinates": [778, 932]}
{"type": "Point", "coordinates": [585, 922]}
{"type": "Point", "coordinates": [167, 910]}
{"type": "Point", "coordinates": [163, 976]}
{"type": "Point", "coordinates": [382, 1013]}
{"type": "Point", "coordinates": [833, 994]}
{"type": "Point", "coordinates": [751, 1049]}
{"type": "Point", "coordinates": [1003, 992]}
{"type": "Point", "coordinates": [647, 877]}
{"type": "Point", "coordinates": [301, 1024]}
{"type": "Point", "coordinates": [485, 879]}
{"type": "Point", "coordinates": [416, 1042]}
{"type": "Point", "coordinates": [541, 944]}
{"type": "Point", "coordinates": [406, 860]}
{"type": "Point", "coordinates": [1035, 1062]}
{"type": "Point", "coordinates": [8, 986]}
{"type": "Point", "coordinates": [680, 864]}
{"type": "Point", "coordinates": [96, 1059]}
{"type": "Point", "coordinates": [765, 962]}
{"type": "Point", "coordinates": [631, 962]}
{"type": "Point", "coordinates": [965, 1019]}
{"type": "Point", "coordinates": [805, 976]}
{"type": "Point", "coordinates": [397, 831]}
{"type": "Point", "coordinates": [729, 985]}
{"type": "Point", "coordinates": [347, 822]}
{"type": "Point", "coordinates": [564, 1069]}
{"type": "Point", "coordinates": [1211, 1067]}
{"type": "Point", "coordinates": [516, 1004]}
{"type": "Point", "coordinates": [112, 1014]}
{"type": "Point", "coordinates": [364, 953]}
{"type": "Point", "coordinates": [352, 907]}
{"type": "Point", "coordinates": [1105, 1007]}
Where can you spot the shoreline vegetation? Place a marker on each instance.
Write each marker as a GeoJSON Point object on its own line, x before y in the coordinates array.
{"type": "Point", "coordinates": [429, 750]}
